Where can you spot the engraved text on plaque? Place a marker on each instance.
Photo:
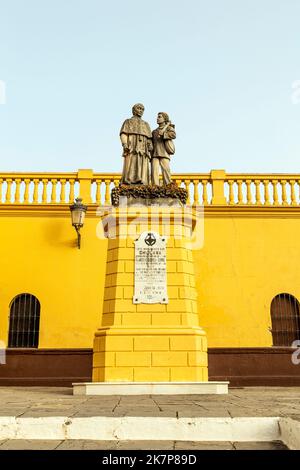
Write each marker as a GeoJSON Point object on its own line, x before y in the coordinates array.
{"type": "Point", "coordinates": [150, 275]}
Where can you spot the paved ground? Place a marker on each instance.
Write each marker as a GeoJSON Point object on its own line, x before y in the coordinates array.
{"type": "Point", "coordinates": [59, 401]}
{"type": "Point", "coordinates": [54, 401]}
{"type": "Point", "coordinates": [77, 444]}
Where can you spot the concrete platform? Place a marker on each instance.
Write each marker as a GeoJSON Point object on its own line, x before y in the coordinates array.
{"type": "Point", "coordinates": [253, 414]}
{"type": "Point", "coordinates": [150, 388]}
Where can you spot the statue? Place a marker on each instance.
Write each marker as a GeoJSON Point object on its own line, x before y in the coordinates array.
{"type": "Point", "coordinates": [140, 147]}
{"type": "Point", "coordinates": [136, 139]}
{"type": "Point", "coordinates": [163, 147]}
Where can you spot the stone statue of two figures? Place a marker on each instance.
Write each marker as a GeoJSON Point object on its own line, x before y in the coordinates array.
{"type": "Point", "coordinates": [142, 149]}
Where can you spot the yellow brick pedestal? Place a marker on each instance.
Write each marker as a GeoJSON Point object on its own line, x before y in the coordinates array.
{"type": "Point", "coordinates": [150, 342]}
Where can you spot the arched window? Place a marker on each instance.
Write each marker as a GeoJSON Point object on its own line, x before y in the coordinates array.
{"type": "Point", "coordinates": [24, 322]}
{"type": "Point", "coordinates": [285, 316]}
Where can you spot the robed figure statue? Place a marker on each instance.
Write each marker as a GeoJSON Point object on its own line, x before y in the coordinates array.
{"type": "Point", "coordinates": [136, 139]}
{"type": "Point", "coordinates": [163, 148]}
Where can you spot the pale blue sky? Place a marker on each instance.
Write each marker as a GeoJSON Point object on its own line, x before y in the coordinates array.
{"type": "Point", "coordinates": [222, 69]}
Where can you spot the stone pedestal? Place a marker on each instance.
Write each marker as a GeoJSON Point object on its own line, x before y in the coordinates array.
{"type": "Point", "coordinates": [157, 202]}
{"type": "Point", "coordinates": [150, 342]}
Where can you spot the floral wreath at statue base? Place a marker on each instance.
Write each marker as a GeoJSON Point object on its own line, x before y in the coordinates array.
{"type": "Point", "coordinates": [148, 192]}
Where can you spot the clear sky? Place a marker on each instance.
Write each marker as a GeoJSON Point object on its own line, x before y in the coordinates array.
{"type": "Point", "coordinates": [222, 69]}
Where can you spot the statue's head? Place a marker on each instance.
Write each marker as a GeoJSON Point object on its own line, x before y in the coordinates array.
{"type": "Point", "coordinates": [162, 117]}
{"type": "Point", "coordinates": [138, 109]}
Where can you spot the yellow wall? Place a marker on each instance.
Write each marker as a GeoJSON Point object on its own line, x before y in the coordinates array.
{"type": "Point", "coordinates": [247, 258]}
{"type": "Point", "coordinates": [244, 263]}
{"type": "Point", "coordinates": [39, 256]}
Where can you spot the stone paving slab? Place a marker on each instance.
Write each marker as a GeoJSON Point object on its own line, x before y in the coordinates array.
{"type": "Point", "coordinates": [78, 444]}
{"type": "Point", "coordinates": [146, 445]}
{"type": "Point", "coordinates": [59, 401]}
{"type": "Point", "coordinates": [24, 444]}
{"type": "Point", "coordinates": [186, 445]}
{"type": "Point", "coordinates": [275, 445]}
{"type": "Point", "coordinates": [47, 413]}
{"type": "Point", "coordinates": [87, 445]}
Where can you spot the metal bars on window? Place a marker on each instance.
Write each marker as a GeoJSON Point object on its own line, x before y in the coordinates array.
{"type": "Point", "coordinates": [24, 322]}
{"type": "Point", "coordinates": [285, 316]}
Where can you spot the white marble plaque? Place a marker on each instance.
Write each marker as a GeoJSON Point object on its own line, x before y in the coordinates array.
{"type": "Point", "coordinates": [150, 271]}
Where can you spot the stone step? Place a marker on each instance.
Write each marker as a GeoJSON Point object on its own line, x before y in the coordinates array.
{"type": "Point", "coordinates": [80, 444]}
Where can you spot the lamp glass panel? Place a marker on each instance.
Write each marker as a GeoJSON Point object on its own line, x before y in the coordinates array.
{"type": "Point", "coordinates": [77, 218]}
{"type": "Point", "coordinates": [82, 215]}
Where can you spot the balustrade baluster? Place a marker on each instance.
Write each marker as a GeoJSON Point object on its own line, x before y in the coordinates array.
{"type": "Point", "coordinates": [249, 195]}
{"type": "Point", "coordinates": [35, 190]}
{"type": "Point", "coordinates": [8, 191]}
{"type": "Point", "coordinates": [240, 192]}
{"type": "Point", "coordinates": [53, 191]}
{"type": "Point", "coordinates": [17, 192]}
{"type": "Point", "coordinates": [26, 191]}
{"type": "Point", "coordinates": [293, 195]}
{"type": "Point", "coordinates": [266, 192]}
{"type": "Point", "coordinates": [187, 187]}
{"type": "Point", "coordinates": [71, 194]}
{"type": "Point", "coordinates": [62, 197]}
{"type": "Point", "coordinates": [231, 192]}
{"type": "Point", "coordinates": [204, 193]}
{"type": "Point", "coordinates": [44, 194]}
{"type": "Point", "coordinates": [257, 193]}
{"type": "Point", "coordinates": [275, 192]}
{"type": "Point", "coordinates": [98, 192]}
{"type": "Point", "coordinates": [196, 194]}
{"type": "Point", "coordinates": [284, 198]}
{"type": "Point", "coordinates": [107, 192]}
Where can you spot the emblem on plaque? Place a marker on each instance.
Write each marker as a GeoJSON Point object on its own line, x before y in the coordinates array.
{"type": "Point", "coordinates": [150, 270]}
{"type": "Point", "coordinates": [150, 239]}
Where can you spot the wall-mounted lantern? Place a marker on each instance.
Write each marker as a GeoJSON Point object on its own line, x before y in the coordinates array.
{"type": "Point", "coordinates": [78, 211]}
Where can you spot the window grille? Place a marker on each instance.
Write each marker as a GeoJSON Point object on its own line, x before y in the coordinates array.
{"type": "Point", "coordinates": [24, 322]}
{"type": "Point", "coordinates": [285, 319]}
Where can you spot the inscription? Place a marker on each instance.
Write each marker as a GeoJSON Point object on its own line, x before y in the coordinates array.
{"type": "Point", "coordinates": [150, 278]}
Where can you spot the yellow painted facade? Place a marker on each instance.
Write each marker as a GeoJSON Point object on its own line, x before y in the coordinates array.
{"type": "Point", "coordinates": [249, 255]}
{"type": "Point", "coordinates": [245, 262]}
{"type": "Point", "coordinates": [39, 256]}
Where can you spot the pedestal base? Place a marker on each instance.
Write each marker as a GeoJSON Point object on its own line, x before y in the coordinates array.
{"type": "Point", "coordinates": [150, 388]}
{"type": "Point", "coordinates": [144, 202]}
{"type": "Point", "coordinates": [152, 343]}
{"type": "Point", "coordinates": [150, 354]}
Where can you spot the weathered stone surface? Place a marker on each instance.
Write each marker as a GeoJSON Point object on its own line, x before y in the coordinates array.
{"type": "Point", "coordinates": [144, 202]}
{"type": "Point", "coordinates": [136, 139]}
{"type": "Point", "coordinates": [274, 445]}
{"type": "Point", "coordinates": [150, 280]}
{"type": "Point", "coordinates": [52, 401]}
{"type": "Point", "coordinates": [145, 445]}
{"type": "Point", "coordinates": [193, 445]}
{"type": "Point", "coordinates": [79, 444]}
{"type": "Point", "coordinates": [24, 444]}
